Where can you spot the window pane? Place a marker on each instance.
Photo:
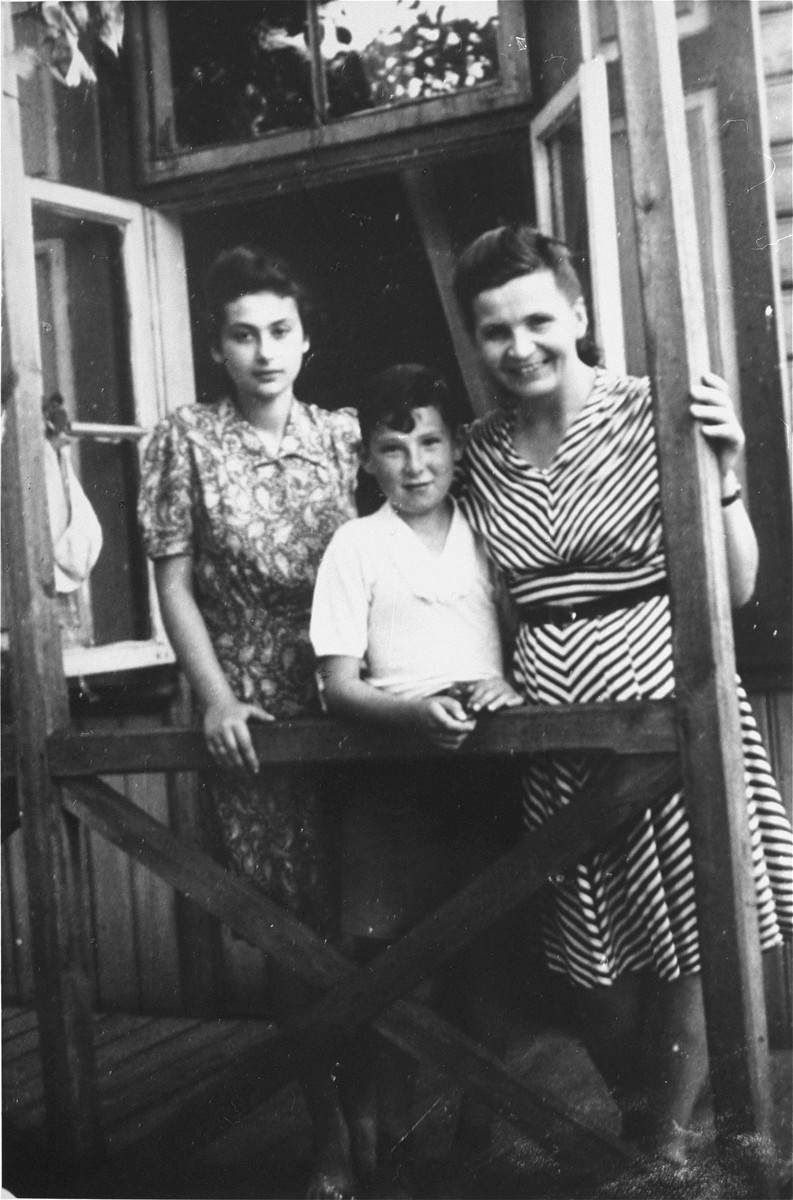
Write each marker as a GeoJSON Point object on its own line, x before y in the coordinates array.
{"type": "Point", "coordinates": [239, 69]}
{"type": "Point", "coordinates": [396, 51]}
{"type": "Point", "coordinates": [60, 124]}
{"type": "Point", "coordinates": [85, 358]}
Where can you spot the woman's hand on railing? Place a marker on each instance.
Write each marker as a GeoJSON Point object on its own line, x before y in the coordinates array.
{"type": "Point", "coordinates": [227, 734]}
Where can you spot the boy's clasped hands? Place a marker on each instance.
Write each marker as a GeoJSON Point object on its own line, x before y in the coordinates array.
{"type": "Point", "coordinates": [447, 720]}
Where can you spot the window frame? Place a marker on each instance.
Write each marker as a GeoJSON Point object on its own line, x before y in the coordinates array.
{"type": "Point", "coordinates": [154, 108]}
{"type": "Point", "coordinates": [155, 298]}
{"type": "Point", "coordinates": [585, 93]}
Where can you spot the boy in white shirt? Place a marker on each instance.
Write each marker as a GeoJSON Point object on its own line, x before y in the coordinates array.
{"type": "Point", "coordinates": [405, 626]}
{"type": "Point", "coordinates": [405, 600]}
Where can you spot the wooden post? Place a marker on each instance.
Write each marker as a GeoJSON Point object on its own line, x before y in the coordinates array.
{"type": "Point", "coordinates": [422, 196]}
{"type": "Point", "coordinates": [63, 979]}
{"type": "Point", "coordinates": [703, 651]}
{"type": "Point", "coordinates": [735, 61]}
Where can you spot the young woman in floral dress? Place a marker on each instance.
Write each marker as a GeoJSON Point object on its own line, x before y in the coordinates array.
{"type": "Point", "coordinates": [239, 500]}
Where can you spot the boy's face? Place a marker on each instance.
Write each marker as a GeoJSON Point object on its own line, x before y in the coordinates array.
{"type": "Point", "coordinates": [414, 470]}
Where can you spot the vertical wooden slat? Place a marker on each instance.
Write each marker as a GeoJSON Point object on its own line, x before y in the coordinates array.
{"type": "Point", "coordinates": [153, 902]}
{"type": "Point", "coordinates": [61, 962]}
{"type": "Point", "coordinates": [425, 205]}
{"type": "Point", "coordinates": [704, 662]}
{"type": "Point", "coordinates": [750, 169]}
{"type": "Point", "coordinates": [10, 975]}
{"type": "Point", "coordinates": [198, 934]}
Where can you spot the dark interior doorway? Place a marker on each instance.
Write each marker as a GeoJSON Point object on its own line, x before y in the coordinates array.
{"type": "Point", "coordinates": [358, 247]}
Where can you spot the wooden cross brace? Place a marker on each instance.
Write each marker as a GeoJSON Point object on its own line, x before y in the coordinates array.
{"type": "Point", "coordinates": [353, 996]}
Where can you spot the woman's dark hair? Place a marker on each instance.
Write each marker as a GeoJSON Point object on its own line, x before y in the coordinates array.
{"type": "Point", "coordinates": [390, 398]}
{"type": "Point", "coordinates": [244, 271]}
{"type": "Point", "coordinates": [500, 255]}
{"type": "Point", "coordinates": [503, 254]}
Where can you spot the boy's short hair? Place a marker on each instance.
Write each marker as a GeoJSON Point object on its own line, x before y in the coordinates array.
{"type": "Point", "coordinates": [390, 397]}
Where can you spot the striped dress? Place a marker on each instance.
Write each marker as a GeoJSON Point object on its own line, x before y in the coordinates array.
{"type": "Point", "coordinates": [586, 526]}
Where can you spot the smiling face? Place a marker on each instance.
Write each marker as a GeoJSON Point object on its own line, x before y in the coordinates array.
{"type": "Point", "coordinates": [261, 345]}
{"type": "Point", "coordinates": [526, 333]}
{"type": "Point", "coordinates": [415, 469]}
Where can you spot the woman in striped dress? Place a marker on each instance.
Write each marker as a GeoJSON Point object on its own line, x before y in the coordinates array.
{"type": "Point", "coordinates": [562, 482]}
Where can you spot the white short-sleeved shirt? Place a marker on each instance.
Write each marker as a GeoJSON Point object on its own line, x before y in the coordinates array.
{"type": "Point", "coordinates": [419, 622]}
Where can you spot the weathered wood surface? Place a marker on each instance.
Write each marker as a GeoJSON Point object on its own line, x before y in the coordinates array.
{"type": "Point", "coordinates": [422, 196]}
{"type": "Point", "coordinates": [242, 906]}
{"type": "Point", "coordinates": [747, 127]}
{"type": "Point", "coordinates": [704, 661]}
{"type": "Point", "coordinates": [633, 727]}
{"type": "Point", "coordinates": [53, 855]}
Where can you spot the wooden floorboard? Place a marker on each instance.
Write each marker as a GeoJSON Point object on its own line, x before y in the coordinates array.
{"type": "Point", "coordinates": [153, 1067]}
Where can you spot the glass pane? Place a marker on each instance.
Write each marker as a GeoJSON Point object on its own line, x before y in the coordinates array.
{"type": "Point", "coordinates": [395, 51]}
{"type": "Point", "coordinates": [60, 124]}
{"type": "Point", "coordinates": [239, 69]}
{"type": "Point", "coordinates": [85, 358]}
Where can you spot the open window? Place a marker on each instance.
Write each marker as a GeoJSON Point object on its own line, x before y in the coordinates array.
{"type": "Point", "coordinates": [570, 144]}
{"type": "Point", "coordinates": [225, 85]}
{"type": "Point", "coordinates": [111, 297]}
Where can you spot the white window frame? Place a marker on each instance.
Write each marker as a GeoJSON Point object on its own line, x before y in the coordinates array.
{"type": "Point", "coordinates": [586, 93]}
{"type": "Point", "coordinates": [160, 348]}
{"type": "Point", "coordinates": [688, 24]}
{"type": "Point", "coordinates": [705, 101]}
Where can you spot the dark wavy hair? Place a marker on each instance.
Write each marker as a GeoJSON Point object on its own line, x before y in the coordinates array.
{"type": "Point", "coordinates": [500, 255]}
{"type": "Point", "coordinates": [390, 397]}
{"type": "Point", "coordinates": [246, 270]}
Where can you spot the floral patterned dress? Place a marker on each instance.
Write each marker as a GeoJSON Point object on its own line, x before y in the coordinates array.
{"type": "Point", "coordinates": [256, 527]}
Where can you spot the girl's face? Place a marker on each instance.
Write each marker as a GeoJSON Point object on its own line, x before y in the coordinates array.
{"type": "Point", "coordinates": [526, 333]}
{"type": "Point", "coordinates": [261, 345]}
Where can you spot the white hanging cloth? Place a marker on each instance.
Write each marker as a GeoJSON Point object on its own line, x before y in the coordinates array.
{"type": "Point", "coordinates": [76, 532]}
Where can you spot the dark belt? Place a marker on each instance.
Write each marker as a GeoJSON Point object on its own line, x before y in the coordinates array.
{"type": "Point", "coordinates": [580, 610]}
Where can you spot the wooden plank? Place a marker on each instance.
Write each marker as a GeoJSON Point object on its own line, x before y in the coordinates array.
{"type": "Point", "coordinates": [60, 953]}
{"type": "Point", "coordinates": [148, 1080]}
{"type": "Point", "coordinates": [749, 178]}
{"type": "Point", "coordinates": [153, 903]}
{"type": "Point", "coordinates": [632, 727]}
{"type": "Point", "coordinates": [783, 179]}
{"type": "Point", "coordinates": [776, 28]}
{"type": "Point", "coordinates": [117, 968]}
{"type": "Point", "coordinates": [17, 1021]}
{"type": "Point", "coordinates": [780, 116]}
{"type": "Point", "coordinates": [422, 196]}
{"type": "Point", "coordinates": [241, 905]}
{"type": "Point", "coordinates": [199, 938]}
{"type": "Point", "coordinates": [702, 643]}
{"type": "Point", "coordinates": [116, 1044]}
{"type": "Point", "coordinates": [16, 928]}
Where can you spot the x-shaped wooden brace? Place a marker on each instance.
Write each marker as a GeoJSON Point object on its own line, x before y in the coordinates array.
{"type": "Point", "coordinates": [371, 994]}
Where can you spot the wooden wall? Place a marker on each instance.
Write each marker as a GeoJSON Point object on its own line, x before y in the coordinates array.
{"type": "Point", "coordinates": [140, 946]}
{"type": "Point", "coordinates": [776, 32]}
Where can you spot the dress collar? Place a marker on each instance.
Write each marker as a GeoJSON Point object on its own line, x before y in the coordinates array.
{"type": "Point", "coordinates": [301, 437]}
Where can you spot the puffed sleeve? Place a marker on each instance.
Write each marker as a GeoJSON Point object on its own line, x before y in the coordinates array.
{"type": "Point", "coordinates": [346, 437]}
{"type": "Point", "coordinates": [340, 610]}
{"type": "Point", "coordinates": [165, 509]}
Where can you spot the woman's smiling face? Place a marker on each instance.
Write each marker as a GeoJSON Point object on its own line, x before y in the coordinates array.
{"type": "Point", "coordinates": [526, 332]}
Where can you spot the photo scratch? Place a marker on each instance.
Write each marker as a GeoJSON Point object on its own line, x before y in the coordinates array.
{"type": "Point", "coordinates": [762, 181]}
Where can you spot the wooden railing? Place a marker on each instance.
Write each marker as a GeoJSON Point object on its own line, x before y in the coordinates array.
{"type": "Point", "coordinates": [636, 743]}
